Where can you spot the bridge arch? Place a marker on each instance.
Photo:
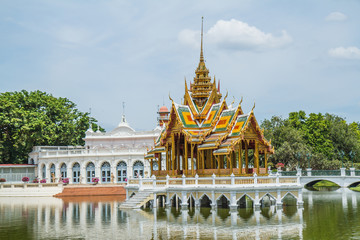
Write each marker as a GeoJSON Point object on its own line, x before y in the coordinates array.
{"type": "Point", "coordinates": [354, 184]}
{"type": "Point", "coordinates": [205, 201]}
{"type": "Point", "coordinates": [311, 181]}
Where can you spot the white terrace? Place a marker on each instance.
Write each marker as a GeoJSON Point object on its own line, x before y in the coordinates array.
{"type": "Point", "coordinates": [196, 188]}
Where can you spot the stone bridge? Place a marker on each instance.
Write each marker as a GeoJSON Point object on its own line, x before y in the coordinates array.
{"type": "Point", "coordinates": [342, 177]}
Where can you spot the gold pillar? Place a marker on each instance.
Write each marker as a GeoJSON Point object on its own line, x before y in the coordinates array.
{"type": "Point", "coordinates": [211, 159]}
{"type": "Point", "coordinates": [151, 166]}
{"type": "Point", "coordinates": [159, 163]}
{"type": "Point", "coordinates": [203, 161]}
{"type": "Point", "coordinates": [231, 162]}
{"type": "Point", "coordinates": [192, 159]}
{"type": "Point", "coordinates": [246, 158]}
{"type": "Point", "coordinates": [167, 158]}
{"type": "Point", "coordinates": [186, 155]}
{"type": "Point", "coordinates": [266, 164]}
{"type": "Point", "coordinates": [256, 157]}
{"type": "Point", "coordinates": [240, 157]}
{"type": "Point", "coordinates": [177, 164]}
{"type": "Point", "coordinates": [173, 153]}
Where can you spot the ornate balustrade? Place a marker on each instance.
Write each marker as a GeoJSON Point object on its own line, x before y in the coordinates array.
{"type": "Point", "coordinates": [214, 181]}
{"type": "Point", "coordinates": [88, 152]}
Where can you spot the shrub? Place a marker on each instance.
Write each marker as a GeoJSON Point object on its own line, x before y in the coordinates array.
{"type": "Point", "coordinates": [2, 180]}
{"type": "Point", "coordinates": [25, 179]}
{"type": "Point", "coordinates": [36, 180]}
{"type": "Point", "coordinates": [95, 180]}
{"type": "Point", "coordinates": [65, 180]}
{"type": "Point", "coordinates": [43, 181]}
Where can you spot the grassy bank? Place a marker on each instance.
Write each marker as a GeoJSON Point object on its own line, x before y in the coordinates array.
{"type": "Point", "coordinates": [325, 183]}
{"type": "Point", "coordinates": [357, 188]}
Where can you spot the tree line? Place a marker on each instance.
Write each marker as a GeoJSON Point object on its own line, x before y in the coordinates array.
{"type": "Point", "coordinates": [36, 118]}
{"type": "Point", "coordinates": [27, 119]}
{"type": "Point", "coordinates": [321, 141]}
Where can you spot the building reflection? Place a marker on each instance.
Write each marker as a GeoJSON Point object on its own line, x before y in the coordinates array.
{"type": "Point", "coordinates": [56, 218]}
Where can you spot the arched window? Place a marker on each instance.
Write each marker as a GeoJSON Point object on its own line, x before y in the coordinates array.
{"type": "Point", "coordinates": [52, 173]}
{"type": "Point", "coordinates": [76, 173]}
{"type": "Point", "coordinates": [105, 172]}
{"type": "Point", "coordinates": [138, 169]}
{"type": "Point", "coordinates": [63, 171]}
{"type": "Point", "coordinates": [43, 171]}
{"type": "Point", "coordinates": [121, 170]}
{"type": "Point", "coordinates": [32, 161]}
{"type": "Point", "coordinates": [90, 172]}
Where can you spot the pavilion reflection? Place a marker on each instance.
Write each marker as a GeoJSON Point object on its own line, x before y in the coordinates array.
{"type": "Point", "coordinates": [55, 218]}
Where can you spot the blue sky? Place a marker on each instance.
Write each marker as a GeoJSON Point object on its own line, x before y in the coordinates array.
{"type": "Point", "coordinates": [284, 55]}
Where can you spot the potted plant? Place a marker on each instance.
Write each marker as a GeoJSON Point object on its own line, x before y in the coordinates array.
{"type": "Point", "coordinates": [36, 180]}
{"type": "Point", "coordinates": [65, 181]}
{"type": "Point", "coordinates": [2, 180]}
{"type": "Point", "coordinates": [43, 181]}
{"type": "Point", "coordinates": [25, 179]}
{"type": "Point", "coordinates": [279, 166]}
{"type": "Point", "coordinates": [95, 180]}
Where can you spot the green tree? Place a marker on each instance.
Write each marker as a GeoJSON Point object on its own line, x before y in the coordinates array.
{"type": "Point", "coordinates": [30, 119]}
{"type": "Point", "coordinates": [327, 138]}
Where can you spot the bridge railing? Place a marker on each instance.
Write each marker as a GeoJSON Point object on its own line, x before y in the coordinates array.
{"type": "Point", "coordinates": [310, 172]}
{"type": "Point", "coordinates": [214, 181]}
{"type": "Point", "coordinates": [325, 172]}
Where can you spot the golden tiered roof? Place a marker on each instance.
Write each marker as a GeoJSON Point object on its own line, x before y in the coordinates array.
{"type": "Point", "coordinates": [207, 123]}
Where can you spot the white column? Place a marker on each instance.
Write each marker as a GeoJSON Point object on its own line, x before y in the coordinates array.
{"type": "Point", "coordinates": [278, 199]}
{"type": "Point", "coordinates": [257, 200]}
{"type": "Point", "coordinates": [69, 172]}
{"type": "Point", "coordinates": [98, 170]}
{"type": "Point", "coordinates": [300, 201]}
{"type": "Point", "coordinates": [57, 171]}
{"type": "Point", "coordinates": [233, 205]}
{"type": "Point", "coordinates": [113, 170]}
{"type": "Point", "coordinates": [83, 173]}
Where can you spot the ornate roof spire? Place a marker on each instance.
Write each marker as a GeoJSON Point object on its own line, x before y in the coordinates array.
{"type": "Point", "coordinates": [201, 49]}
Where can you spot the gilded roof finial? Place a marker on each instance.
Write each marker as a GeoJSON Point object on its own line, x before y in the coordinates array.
{"type": "Point", "coordinates": [170, 98]}
{"type": "Point", "coordinates": [201, 51]}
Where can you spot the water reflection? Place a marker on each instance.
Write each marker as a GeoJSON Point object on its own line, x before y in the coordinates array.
{"type": "Point", "coordinates": [46, 218]}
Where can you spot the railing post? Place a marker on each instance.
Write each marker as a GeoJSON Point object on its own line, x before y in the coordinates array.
{"type": "Point", "coordinates": [298, 174]}
{"type": "Point", "coordinates": [352, 172]}
{"type": "Point", "coordinates": [183, 180]}
{"type": "Point", "coordinates": [213, 179]}
{"type": "Point", "coordinates": [255, 179]}
{"type": "Point", "coordinates": [277, 178]}
{"type": "Point", "coordinates": [280, 172]}
{"type": "Point", "coordinates": [343, 172]}
{"type": "Point", "coordinates": [233, 179]}
{"type": "Point", "coordinates": [167, 180]}
{"type": "Point", "coordinates": [308, 171]}
{"type": "Point", "coordinates": [196, 179]}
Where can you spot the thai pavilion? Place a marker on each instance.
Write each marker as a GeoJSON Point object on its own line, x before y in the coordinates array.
{"type": "Point", "coordinates": [206, 136]}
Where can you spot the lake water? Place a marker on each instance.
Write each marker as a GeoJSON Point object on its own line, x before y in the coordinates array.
{"type": "Point", "coordinates": [325, 215]}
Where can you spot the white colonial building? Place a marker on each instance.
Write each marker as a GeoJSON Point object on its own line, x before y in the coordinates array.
{"type": "Point", "coordinates": [111, 157]}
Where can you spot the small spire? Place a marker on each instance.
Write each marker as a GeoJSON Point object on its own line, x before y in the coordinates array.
{"type": "Point", "coordinates": [201, 51]}
{"type": "Point", "coordinates": [219, 85]}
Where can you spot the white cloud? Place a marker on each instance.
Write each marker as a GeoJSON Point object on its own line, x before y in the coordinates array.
{"type": "Point", "coordinates": [336, 16]}
{"type": "Point", "coordinates": [345, 53]}
{"type": "Point", "coordinates": [237, 35]}
{"type": "Point", "coordinates": [190, 38]}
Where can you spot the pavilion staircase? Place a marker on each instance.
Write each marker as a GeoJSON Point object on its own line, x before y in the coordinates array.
{"type": "Point", "coordinates": [138, 200]}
